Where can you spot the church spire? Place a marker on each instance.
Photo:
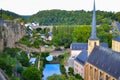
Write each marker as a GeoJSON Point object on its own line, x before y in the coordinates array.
{"type": "Point", "coordinates": [93, 32]}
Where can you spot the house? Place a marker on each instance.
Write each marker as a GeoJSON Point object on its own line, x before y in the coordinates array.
{"type": "Point", "coordinates": [35, 24]}
{"type": "Point", "coordinates": [32, 60]}
{"type": "Point", "coordinates": [50, 36]}
{"type": "Point", "coordinates": [76, 48]}
{"type": "Point", "coordinates": [43, 36]}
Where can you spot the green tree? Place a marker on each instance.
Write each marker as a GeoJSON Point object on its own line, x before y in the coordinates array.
{"type": "Point", "coordinates": [5, 67]}
{"type": "Point", "coordinates": [73, 78]}
{"type": "Point", "coordinates": [11, 51]}
{"type": "Point", "coordinates": [24, 59]}
{"type": "Point", "coordinates": [62, 69]}
{"type": "Point", "coordinates": [117, 16]}
{"type": "Point", "coordinates": [56, 77]}
{"type": "Point", "coordinates": [71, 71]}
{"type": "Point", "coordinates": [31, 73]}
{"type": "Point", "coordinates": [78, 76]}
{"type": "Point", "coordinates": [58, 17]}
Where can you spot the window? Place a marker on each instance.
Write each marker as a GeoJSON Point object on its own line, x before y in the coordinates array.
{"type": "Point", "coordinates": [90, 72]}
{"type": "Point", "coordinates": [107, 77]}
{"type": "Point", "coordinates": [101, 74]}
{"type": "Point", "coordinates": [95, 44]}
{"type": "Point", "coordinates": [95, 73]}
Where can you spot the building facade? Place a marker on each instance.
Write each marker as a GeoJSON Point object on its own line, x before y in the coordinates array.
{"type": "Point", "coordinates": [94, 73]}
{"type": "Point", "coordinates": [116, 44]}
{"type": "Point", "coordinates": [83, 54]}
{"type": "Point", "coordinates": [79, 63]}
{"type": "Point", "coordinates": [102, 64]}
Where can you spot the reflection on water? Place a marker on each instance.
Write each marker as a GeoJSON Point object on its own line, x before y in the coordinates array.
{"type": "Point", "coordinates": [51, 69]}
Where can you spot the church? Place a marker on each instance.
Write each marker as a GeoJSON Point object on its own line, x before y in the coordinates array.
{"type": "Point", "coordinates": [94, 60]}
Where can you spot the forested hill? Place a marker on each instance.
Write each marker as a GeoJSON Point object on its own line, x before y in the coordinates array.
{"type": "Point", "coordinates": [8, 15]}
{"type": "Point", "coordinates": [56, 17]}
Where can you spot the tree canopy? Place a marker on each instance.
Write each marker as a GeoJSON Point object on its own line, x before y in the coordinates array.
{"type": "Point", "coordinates": [80, 17]}
{"type": "Point", "coordinates": [31, 73]}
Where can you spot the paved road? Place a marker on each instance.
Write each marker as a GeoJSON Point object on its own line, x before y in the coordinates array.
{"type": "Point", "coordinates": [71, 62]}
{"type": "Point", "coordinates": [2, 77]}
{"type": "Point", "coordinates": [56, 53]}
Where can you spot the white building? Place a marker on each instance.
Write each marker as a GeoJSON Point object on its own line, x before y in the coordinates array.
{"type": "Point", "coordinates": [77, 48]}
{"type": "Point", "coordinates": [79, 63]}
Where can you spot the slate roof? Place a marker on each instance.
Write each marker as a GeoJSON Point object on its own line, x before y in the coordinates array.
{"type": "Point", "coordinates": [50, 34]}
{"type": "Point", "coordinates": [117, 38]}
{"type": "Point", "coordinates": [118, 26]}
{"type": "Point", "coordinates": [106, 60]}
{"type": "Point", "coordinates": [81, 46]}
{"type": "Point", "coordinates": [103, 44]}
{"type": "Point", "coordinates": [82, 57]}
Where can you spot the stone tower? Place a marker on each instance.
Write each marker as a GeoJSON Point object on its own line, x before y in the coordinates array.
{"type": "Point", "coordinates": [93, 40]}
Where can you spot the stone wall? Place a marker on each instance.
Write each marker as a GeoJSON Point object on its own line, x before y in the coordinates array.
{"type": "Point", "coordinates": [10, 32]}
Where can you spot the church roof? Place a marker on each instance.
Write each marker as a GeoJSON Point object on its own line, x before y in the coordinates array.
{"type": "Point", "coordinates": [117, 38]}
{"type": "Point", "coordinates": [103, 44]}
{"type": "Point", "coordinates": [82, 57]}
{"type": "Point", "coordinates": [81, 46]}
{"type": "Point", "coordinates": [106, 59]}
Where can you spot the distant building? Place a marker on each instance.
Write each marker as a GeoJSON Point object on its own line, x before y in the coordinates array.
{"type": "Point", "coordinates": [35, 24]}
{"type": "Point", "coordinates": [50, 36]}
{"type": "Point", "coordinates": [43, 36]}
{"type": "Point", "coordinates": [31, 24]}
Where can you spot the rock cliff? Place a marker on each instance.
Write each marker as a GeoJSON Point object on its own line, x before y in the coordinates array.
{"type": "Point", "coordinates": [10, 32]}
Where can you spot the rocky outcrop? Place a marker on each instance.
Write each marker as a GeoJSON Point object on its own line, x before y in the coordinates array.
{"type": "Point", "coordinates": [10, 32]}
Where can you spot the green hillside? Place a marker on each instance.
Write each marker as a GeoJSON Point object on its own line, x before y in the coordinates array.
{"type": "Point", "coordinates": [58, 17]}
{"type": "Point", "coordinates": [8, 15]}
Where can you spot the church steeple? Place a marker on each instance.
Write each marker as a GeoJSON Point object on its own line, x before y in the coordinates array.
{"type": "Point", "coordinates": [93, 32]}
{"type": "Point", "coordinates": [93, 40]}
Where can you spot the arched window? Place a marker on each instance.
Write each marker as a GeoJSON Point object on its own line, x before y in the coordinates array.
{"type": "Point", "coordinates": [95, 44]}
